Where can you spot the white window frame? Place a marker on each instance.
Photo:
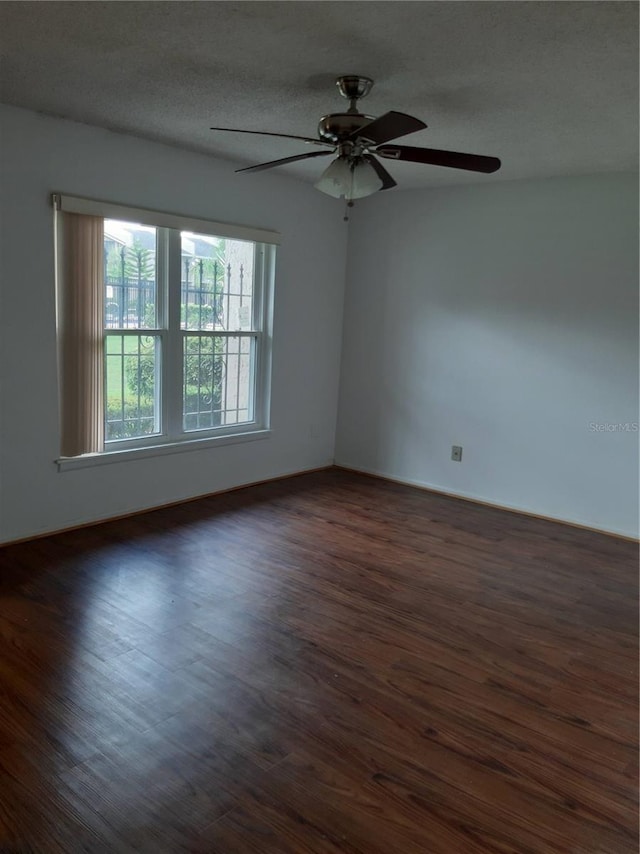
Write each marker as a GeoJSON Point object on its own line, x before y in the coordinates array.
{"type": "Point", "coordinates": [173, 438]}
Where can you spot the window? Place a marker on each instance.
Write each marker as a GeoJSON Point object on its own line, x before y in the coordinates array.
{"type": "Point", "coordinates": [183, 333]}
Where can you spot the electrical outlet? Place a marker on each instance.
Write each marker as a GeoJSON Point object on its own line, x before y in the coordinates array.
{"type": "Point", "coordinates": [456, 453]}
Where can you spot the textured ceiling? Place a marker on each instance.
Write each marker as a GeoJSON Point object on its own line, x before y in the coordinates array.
{"type": "Point", "coordinates": [549, 87]}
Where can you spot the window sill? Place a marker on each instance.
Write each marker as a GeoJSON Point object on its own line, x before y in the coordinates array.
{"type": "Point", "coordinates": [160, 450]}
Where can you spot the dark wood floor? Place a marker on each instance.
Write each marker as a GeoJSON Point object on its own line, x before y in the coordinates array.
{"type": "Point", "coordinates": [330, 663]}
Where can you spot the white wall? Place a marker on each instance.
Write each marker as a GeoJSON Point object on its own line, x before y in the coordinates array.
{"type": "Point", "coordinates": [40, 155]}
{"type": "Point", "coordinates": [503, 318]}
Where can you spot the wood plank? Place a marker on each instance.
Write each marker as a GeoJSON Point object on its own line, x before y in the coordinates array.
{"type": "Point", "coordinates": [329, 663]}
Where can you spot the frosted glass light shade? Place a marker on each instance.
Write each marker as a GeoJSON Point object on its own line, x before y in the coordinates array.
{"type": "Point", "coordinates": [336, 179]}
{"type": "Point", "coordinates": [365, 180]}
{"type": "Point", "coordinates": [343, 180]}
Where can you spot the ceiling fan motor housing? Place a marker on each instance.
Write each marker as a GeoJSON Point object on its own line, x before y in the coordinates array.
{"type": "Point", "coordinates": [336, 127]}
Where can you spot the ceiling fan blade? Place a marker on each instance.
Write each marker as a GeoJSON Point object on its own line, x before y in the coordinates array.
{"type": "Point", "coordinates": [435, 157]}
{"type": "Point", "coordinates": [307, 139]}
{"type": "Point", "coordinates": [389, 126]}
{"type": "Point", "coordinates": [387, 180]}
{"type": "Point", "coordinates": [283, 160]}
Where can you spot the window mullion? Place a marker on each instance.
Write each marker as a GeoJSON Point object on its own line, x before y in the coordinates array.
{"type": "Point", "coordinates": [262, 320]}
{"type": "Point", "coordinates": [257, 319]}
{"type": "Point", "coordinates": [173, 357]}
{"type": "Point", "coordinates": [162, 323]}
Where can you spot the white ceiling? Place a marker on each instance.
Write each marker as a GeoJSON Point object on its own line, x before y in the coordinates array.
{"type": "Point", "coordinates": [549, 87]}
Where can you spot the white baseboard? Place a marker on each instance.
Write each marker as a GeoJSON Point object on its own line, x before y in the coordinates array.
{"type": "Point", "coordinates": [478, 499]}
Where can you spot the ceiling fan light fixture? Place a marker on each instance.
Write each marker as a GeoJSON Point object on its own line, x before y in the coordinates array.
{"type": "Point", "coordinates": [348, 180]}
{"type": "Point", "coordinates": [366, 180]}
{"type": "Point", "coordinates": [336, 179]}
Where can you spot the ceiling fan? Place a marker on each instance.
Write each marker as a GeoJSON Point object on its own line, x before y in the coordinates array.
{"type": "Point", "coordinates": [358, 140]}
